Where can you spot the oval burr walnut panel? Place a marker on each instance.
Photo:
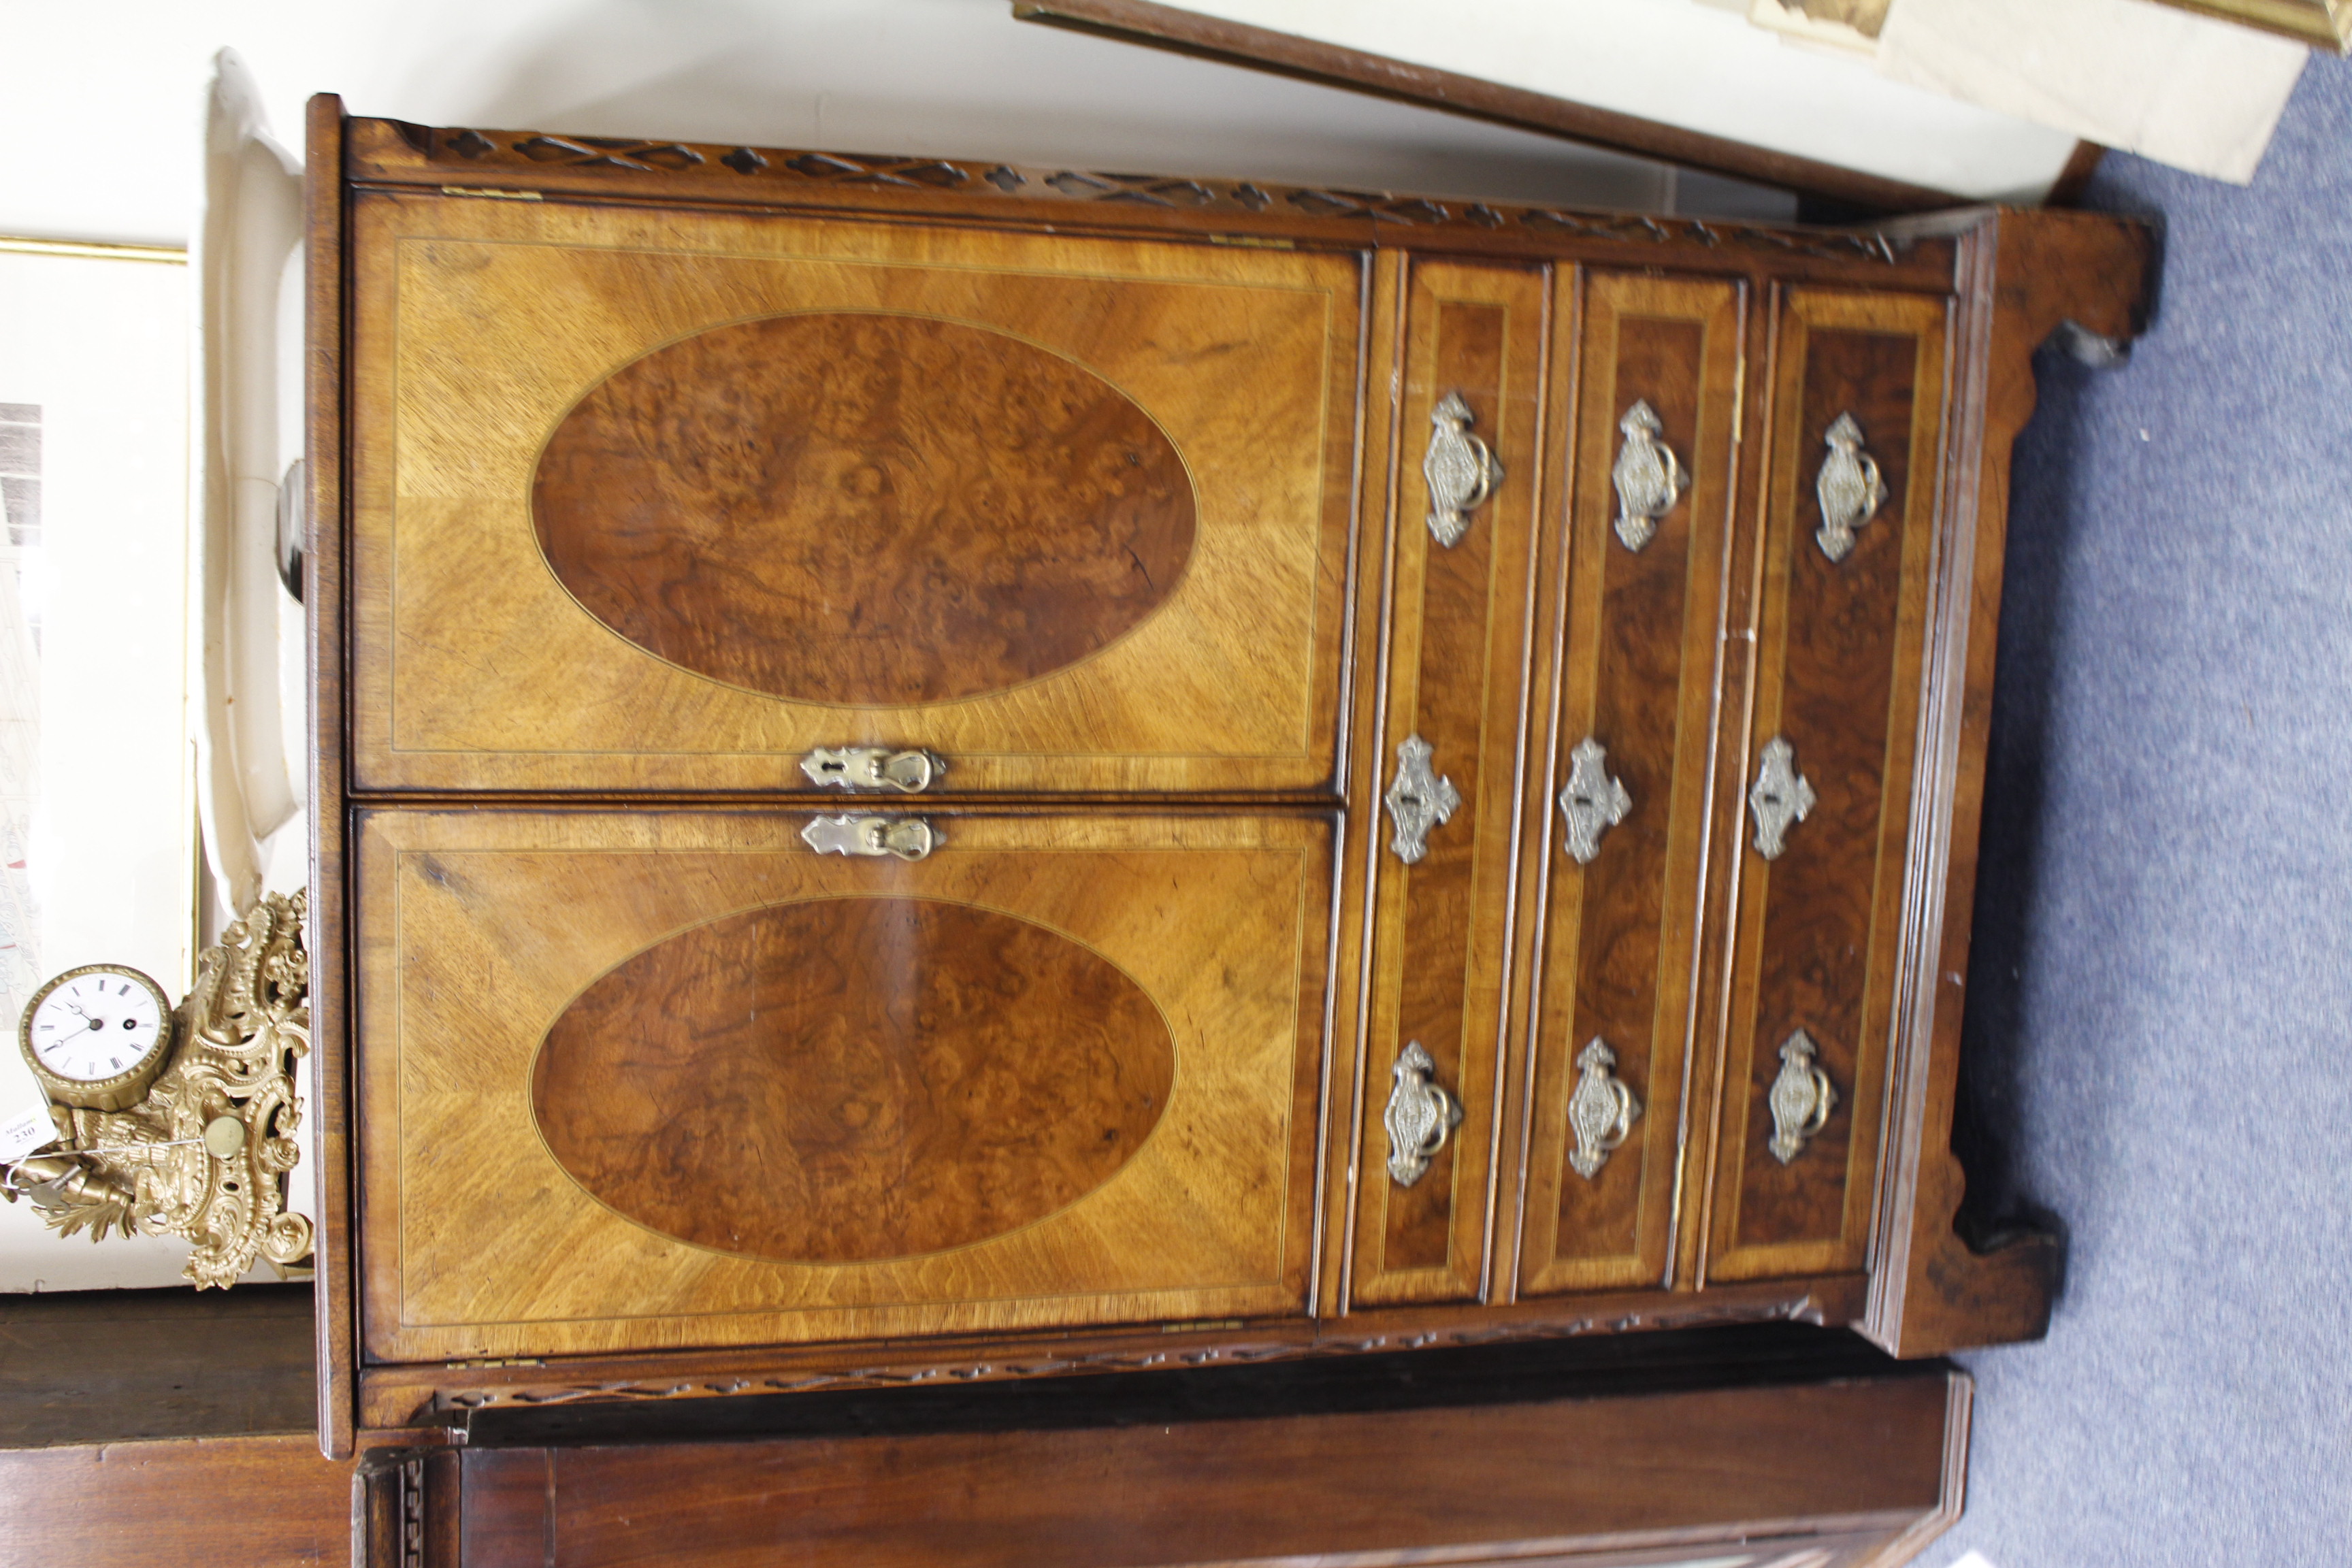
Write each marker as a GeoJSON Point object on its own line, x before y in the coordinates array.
{"type": "Point", "coordinates": [863, 508]}
{"type": "Point", "coordinates": [846, 1080]}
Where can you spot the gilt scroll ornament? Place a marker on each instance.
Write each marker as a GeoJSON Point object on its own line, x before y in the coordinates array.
{"type": "Point", "coordinates": [1848, 488]}
{"type": "Point", "coordinates": [1418, 800]}
{"type": "Point", "coordinates": [1420, 1117]}
{"type": "Point", "coordinates": [907, 837]}
{"type": "Point", "coordinates": [1802, 1098]}
{"type": "Point", "coordinates": [1593, 803]}
{"type": "Point", "coordinates": [1600, 1112]}
{"type": "Point", "coordinates": [873, 767]}
{"type": "Point", "coordinates": [1781, 797]}
{"type": "Point", "coordinates": [202, 1156]}
{"type": "Point", "coordinates": [1648, 478]}
{"type": "Point", "coordinates": [1462, 471]}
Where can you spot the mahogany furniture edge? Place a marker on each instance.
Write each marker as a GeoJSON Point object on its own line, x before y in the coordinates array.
{"type": "Point", "coordinates": [2067, 190]}
{"type": "Point", "coordinates": [259, 1499]}
{"type": "Point", "coordinates": [1869, 1468]}
{"type": "Point", "coordinates": [2025, 276]}
{"type": "Point", "coordinates": [401, 1501]}
{"type": "Point", "coordinates": [428, 1393]}
{"type": "Point", "coordinates": [1960, 1408]}
{"type": "Point", "coordinates": [1308, 59]}
{"type": "Point", "coordinates": [324, 600]}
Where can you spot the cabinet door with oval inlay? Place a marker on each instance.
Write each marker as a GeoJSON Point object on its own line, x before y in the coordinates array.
{"type": "Point", "coordinates": [1634, 607]}
{"type": "Point", "coordinates": [678, 500]}
{"type": "Point", "coordinates": [1846, 556]}
{"type": "Point", "coordinates": [648, 1079]}
{"type": "Point", "coordinates": [1463, 504]}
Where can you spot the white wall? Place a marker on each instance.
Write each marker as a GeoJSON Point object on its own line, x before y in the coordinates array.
{"type": "Point", "coordinates": [102, 109]}
{"type": "Point", "coordinates": [102, 819]}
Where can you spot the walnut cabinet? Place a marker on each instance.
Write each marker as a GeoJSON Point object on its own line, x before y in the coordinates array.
{"type": "Point", "coordinates": [934, 768]}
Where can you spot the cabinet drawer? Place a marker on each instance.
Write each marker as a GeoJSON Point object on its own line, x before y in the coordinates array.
{"type": "Point", "coordinates": [1474, 376]}
{"type": "Point", "coordinates": [653, 1080]}
{"type": "Point", "coordinates": [653, 500]}
{"type": "Point", "coordinates": [1636, 610]}
{"type": "Point", "coordinates": [1846, 559]}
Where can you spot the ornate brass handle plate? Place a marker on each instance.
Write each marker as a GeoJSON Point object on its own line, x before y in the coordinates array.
{"type": "Point", "coordinates": [1600, 1112]}
{"type": "Point", "coordinates": [1801, 1099]}
{"type": "Point", "coordinates": [1781, 797]}
{"type": "Point", "coordinates": [1593, 803]}
{"type": "Point", "coordinates": [1461, 469]}
{"type": "Point", "coordinates": [1648, 477]}
{"type": "Point", "coordinates": [1848, 487]}
{"type": "Point", "coordinates": [908, 837]}
{"type": "Point", "coordinates": [873, 767]}
{"type": "Point", "coordinates": [1420, 1117]}
{"type": "Point", "coordinates": [1418, 800]}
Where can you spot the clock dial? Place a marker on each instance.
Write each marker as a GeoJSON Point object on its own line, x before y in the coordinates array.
{"type": "Point", "coordinates": [96, 1026]}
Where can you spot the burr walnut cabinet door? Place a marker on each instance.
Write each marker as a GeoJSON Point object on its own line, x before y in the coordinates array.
{"type": "Point", "coordinates": [1473, 373]}
{"type": "Point", "coordinates": [1845, 566]}
{"type": "Point", "coordinates": [668, 500]}
{"type": "Point", "coordinates": [635, 1080]}
{"type": "Point", "coordinates": [1635, 608]}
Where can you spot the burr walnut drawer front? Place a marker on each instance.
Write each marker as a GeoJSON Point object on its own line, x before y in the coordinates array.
{"type": "Point", "coordinates": [1467, 474]}
{"type": "Point", "coordinates": [1634, 608]}
{"type": "Point", "coordinates": [667, 1079]}
{"type": "Point", "coordinates": [1849, 507]}
{"type": "Point", "coordinates": [671, 501]}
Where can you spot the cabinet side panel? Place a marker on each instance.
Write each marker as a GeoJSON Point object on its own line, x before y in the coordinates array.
{"type": "Point", "coordinates": [1839, 642]}
{"type": "Point", "coordinates": [1455, 660]}
{"type": "Point", "coordinates": [323, 599]}
{"type": "Point", "coordinates": [1641, 626]}
{"type": "Point", "coordinates": [2024, 274]}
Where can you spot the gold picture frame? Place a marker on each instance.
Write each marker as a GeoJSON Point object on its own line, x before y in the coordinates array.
{"type": "Point", "coordinates": [2326, 23]}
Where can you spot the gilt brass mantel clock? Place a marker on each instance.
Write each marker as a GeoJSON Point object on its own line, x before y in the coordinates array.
{"type": "Point", "coordinates": [176, 1121]}
{"type": "Point", "coordinates": [98, 1036]}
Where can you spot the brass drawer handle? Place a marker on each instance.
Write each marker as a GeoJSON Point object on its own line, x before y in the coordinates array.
{"type": "Point", "coordinates": [908, 837]}
{"type": "Point", "coordinates": [1801, 1099]}
{"type": "Point", "coordinates": [873, 767]}
{"type": "Point", "coordinates": [1848, 487]}
{"type": "Point", "coordinates": [1649, 478]}
{"type": "Point", "coordinates": [1420, 1117]}
{"type": "Point", "coordinates": [1781, 797]}
{"type": "Point", "coordinates": [1600, 1112]}
{"type": "Point", "coordinates": [1461, 469]}
{"type": "Point", "coordinates": [1417, 800]}
{"type": "Point", "coordinates": [1593, 803]}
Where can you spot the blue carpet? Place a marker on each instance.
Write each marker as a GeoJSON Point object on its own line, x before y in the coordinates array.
{"type": "Point", "coordinates": [2161, 994]}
